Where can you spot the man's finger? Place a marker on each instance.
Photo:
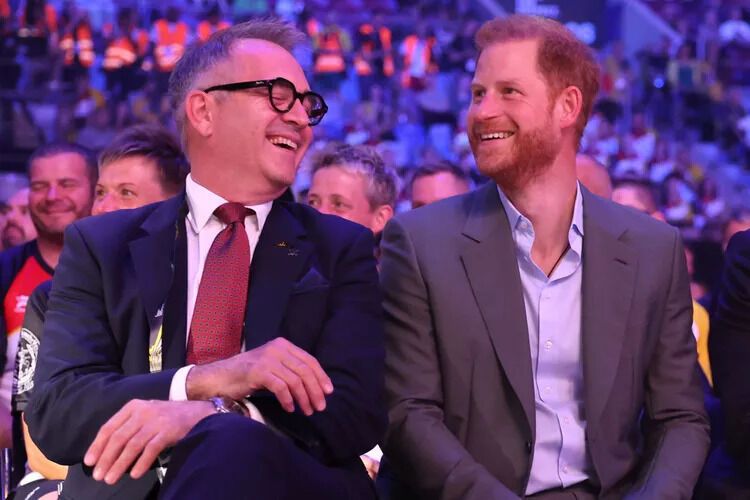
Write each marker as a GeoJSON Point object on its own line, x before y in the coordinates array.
{"type": "Point", "coordinates": [307, 376]}
{"type": "Point", "coordinates": [133, 448]}
{"type": "Point", "coordinates": [115, 444]}
{"type": "Point", "coordinates": [296, 387]}
{"type": "Point", "coordinates": [280, 389]}
{"type": "Point", "coordinates": [114, 423]}
{"type": "Point", "coordinates": [302, 355]}
{"type": "Point", "coordinates": [150, 453]}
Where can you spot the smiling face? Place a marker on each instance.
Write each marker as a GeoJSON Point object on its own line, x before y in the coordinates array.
{"type": "Point", "coordinates": [248, 141]}
{"type": "Point", "coordinates": [128, 182]}
{"type": "Point", "coordinates": [511, 127]}
{"type": "Point", "coordinates": [342, 192]}
{"type": "Point", "coordinates": [60, 193]}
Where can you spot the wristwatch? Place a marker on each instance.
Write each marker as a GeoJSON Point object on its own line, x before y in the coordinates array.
{"type": "Point", "coordinates": [223, 404]}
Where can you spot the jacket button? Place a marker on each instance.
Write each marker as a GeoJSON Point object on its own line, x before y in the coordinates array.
{"type": "Point", "coordinates": [528, 446]}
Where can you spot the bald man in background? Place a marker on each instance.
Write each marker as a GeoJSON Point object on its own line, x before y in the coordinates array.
{"type": "Point", "coordinates": [593, 175]}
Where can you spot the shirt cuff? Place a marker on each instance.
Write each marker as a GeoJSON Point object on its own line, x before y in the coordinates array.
{"type": "Point", "coordinates": [178, 388]}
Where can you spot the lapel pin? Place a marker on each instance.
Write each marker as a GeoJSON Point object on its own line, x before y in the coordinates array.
{"type": "Point", "coordinates": [282, 244]}
{"type": "Point", "coordinates": [293, 252]}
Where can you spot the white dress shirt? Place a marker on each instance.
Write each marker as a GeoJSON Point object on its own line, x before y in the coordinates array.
{"type": "Point", "coordinates": [202, 227]}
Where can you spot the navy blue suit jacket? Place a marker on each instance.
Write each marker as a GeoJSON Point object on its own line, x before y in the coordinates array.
{"type": "Point", "coordinates": [313, 281]}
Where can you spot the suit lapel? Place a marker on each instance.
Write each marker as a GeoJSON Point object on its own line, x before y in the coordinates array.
{"type": "Point", "coordinates": [489, 258]}
{"type": "Point", "coordinates": [280, 256]}
{"type": "Point", "coordinates": [609, 267]}
{"type": "Point", "coordinates": [153, 258]}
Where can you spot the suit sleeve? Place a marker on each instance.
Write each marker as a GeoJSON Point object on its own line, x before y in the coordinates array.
{"type": "Point", "coordinates": [729, 347]}
{"type": "Point", "coordinates": [676, 428]}
{"type": "Point", "coordinates": [423, 452]}
{"type": "Point", "coordinates": [350, 350]}
{"type": "Point", "coordinates": [79, 383]}
{"type": "Point", "coordinates": [28, 347]}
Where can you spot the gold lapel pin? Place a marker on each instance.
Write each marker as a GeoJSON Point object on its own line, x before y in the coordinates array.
{"type": "Point", "coordinates": [282, 244]}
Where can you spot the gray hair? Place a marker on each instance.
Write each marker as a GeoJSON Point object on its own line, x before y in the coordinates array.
{"type": "Point", "coordinates": [381, 180]}
{"type": "Point", "coordinates": [199, 58]}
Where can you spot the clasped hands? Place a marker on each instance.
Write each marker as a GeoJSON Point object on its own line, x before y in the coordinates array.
{"type": "Point", "coordinates": [141, 430]}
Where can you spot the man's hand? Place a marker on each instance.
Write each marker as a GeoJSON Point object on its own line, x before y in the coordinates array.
{"type": "Point", "coordinates": [279, 366]}
{"type": "Point", "coordinates": [141, 430]}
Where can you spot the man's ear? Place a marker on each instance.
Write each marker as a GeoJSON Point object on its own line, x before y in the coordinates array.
{"type": "Point", "coordinates": [570, 106]}
{"type": "Point", "coordinates": [200, 112]}
{"type": "Point", "coordinates": [382, 215]}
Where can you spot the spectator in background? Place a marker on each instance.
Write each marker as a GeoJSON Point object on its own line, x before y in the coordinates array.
{"type": "Point", "coordinates": [18, 228]}
{"type": "Point", "coordinates": [419, 58]}
{"type": "Point", "coordinates": [593, 175]}
{"type": "Point", "coordinates": [735, 28]}
{"type": "Point", "coordinates": [353, 182]}
{"type": "Point", "coordinates": [144, 164]}
{"type": "Point", "coordinates": [678, 199]}
{"type": "Point", "coordinates": [61, 179]}
{"type": "Point", "coordinates": [436, 181]}
{"type": "Point", "coordinates": [332, 46]}
{"type": "Point", "coordinates": [728, 468]}
{"type": "Point", "coordinates": [738, 221]}
{"type": "Point", "coordinates": [642, 139]}
{"type": "Point", "coordinates": [638, 194]}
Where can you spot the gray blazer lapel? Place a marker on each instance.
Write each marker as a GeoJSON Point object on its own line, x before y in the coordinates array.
{"type": "Point", "coordinates": [609, 269]}
{"type": "Point", "coordinates": [489, 258]}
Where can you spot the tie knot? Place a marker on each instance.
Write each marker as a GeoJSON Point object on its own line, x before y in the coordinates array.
{"type": "Point", "coordinates": [229, 213]}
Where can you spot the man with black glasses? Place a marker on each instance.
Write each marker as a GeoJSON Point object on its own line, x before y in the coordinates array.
{"type": "Point", "coordinates": [230, 336]}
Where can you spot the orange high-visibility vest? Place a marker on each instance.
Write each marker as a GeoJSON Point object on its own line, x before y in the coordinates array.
{"type": "Point", "coordinates": [124, 51]}
{"type": "Point", "coordinates": [170, 45]}
{"type": "Point", "coordinates": [82, 44]}
{"type": "Point", "coordinates": [362, 65]}
{"type": "Point", "coordinates": [410, 44]}
{"type": "Point", "coordinates": [206, 29]}
{"type": "Point", "coordinates": [331, 57]}
{"type": "Point", "coordinates": [50, 22]}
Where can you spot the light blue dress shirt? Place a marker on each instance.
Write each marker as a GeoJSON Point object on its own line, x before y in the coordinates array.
{"type": "Point", "coordinates": [553, 317]}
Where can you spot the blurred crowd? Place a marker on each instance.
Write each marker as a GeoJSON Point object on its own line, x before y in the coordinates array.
{"type": "Point", "coordinates": [396, 76]}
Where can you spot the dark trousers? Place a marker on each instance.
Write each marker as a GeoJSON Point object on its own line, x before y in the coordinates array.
{"type": "Point", "coordinates": [580, 491]}
{"type": "Point", "coordinates": [229, 456]}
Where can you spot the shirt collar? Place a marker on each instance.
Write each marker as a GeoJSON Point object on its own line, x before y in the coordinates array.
{"type": "Point", "coordinates": [202, 203]}
{"type": "Point", "coordinates": [575, 232]}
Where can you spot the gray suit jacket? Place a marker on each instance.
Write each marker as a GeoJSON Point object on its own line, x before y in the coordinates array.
{"type": "Point", "coordinates": [458, 365]}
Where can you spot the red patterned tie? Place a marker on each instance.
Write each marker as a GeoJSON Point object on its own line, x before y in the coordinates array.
{"type": "Point", "coordinates": [219, 314]}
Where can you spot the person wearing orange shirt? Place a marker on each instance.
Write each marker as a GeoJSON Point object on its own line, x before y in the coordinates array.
{"type": "Point", "coordinates": [331, 47]}
{"type": "Point", "coordinates": [419, 59]}
{"type": "Point", "coordinates": [170, 36]}
{"type": "Point", "coordinates": [373, 60]}
{"type": "Point", "coordinates": [76, 47]}
{"type": "Point", "coordinates": [211, 24]}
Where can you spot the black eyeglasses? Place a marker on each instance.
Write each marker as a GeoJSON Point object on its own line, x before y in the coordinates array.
{"type": "Point", "coordinates": [281, 94]}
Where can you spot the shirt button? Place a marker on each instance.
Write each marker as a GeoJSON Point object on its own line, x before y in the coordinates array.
{"type": "Point", "coordinates": [547, 390]}
{"type": "Point", "coordinates": [565, 469]}
{"type": "Point", "coordinates": [548, 345]}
